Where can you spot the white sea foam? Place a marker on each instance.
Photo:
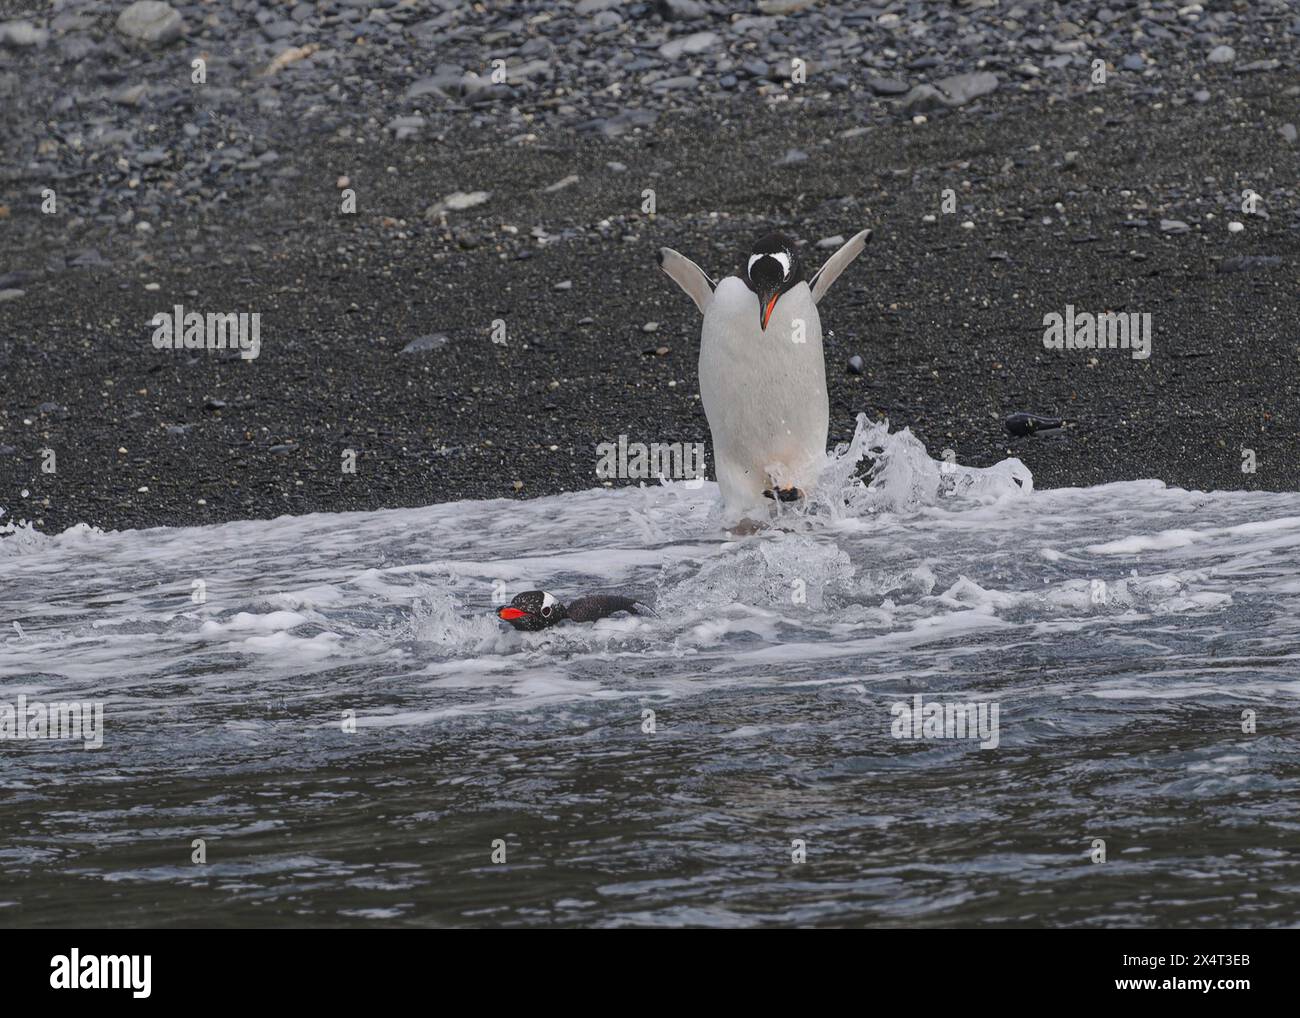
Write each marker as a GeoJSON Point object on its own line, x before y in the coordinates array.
{"type": "Point", "coordinates": [916, 569]}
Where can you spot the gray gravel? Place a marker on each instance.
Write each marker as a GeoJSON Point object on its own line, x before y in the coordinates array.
{"type": "Point", "coordinates": [484, 196]}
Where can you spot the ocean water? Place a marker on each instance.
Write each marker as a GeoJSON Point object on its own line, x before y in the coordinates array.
{"type": "Point", "coordinates": [318, 720]}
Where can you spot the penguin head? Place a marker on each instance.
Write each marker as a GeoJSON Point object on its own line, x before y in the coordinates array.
{"type": "Point", "coordinates": [772, 268]}
{"type": "Point", "coordinates": [533, 610]}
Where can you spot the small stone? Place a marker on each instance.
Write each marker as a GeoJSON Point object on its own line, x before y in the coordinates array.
{"type": "Point", "coordinates": [1173, 226]}
{"type": "Point", "coordinates": [277, 30]}
{"type": "Point", "coordinates": [519, 485]}
{"type": "Point", "coordinates": [565, 285]}
{"type": "Point", "coordinates": [343, 182]}
{"type": "Point", "coordinates": [404, 128]}
{"type": "Point", "coordinates": [688, 45]}
{"type": "Point", "coordinates": [150, 21]}
{"type": "Point", "coordinates": [1022, 424]}
{"type": "Point", "coordinates": [792, 157]}
{"type": "Point", "coordinates": [1288, 132]}
{"type": "Point", "coordinates": [1133, 62]}
{"type": "Point", "coordinates": [1235, 227]}
{"type": "Point", "coordinates": [681, 10]}
{"type": "Point", "coordinates": [1201, 96]}
{"type": "Point", "coordinates": [10, 295]}
{"type": "Point", "coordinates": [1257, 65]}
{"type": "Point", "coordinates": [621, 123]}
{"type": "Point", "coordinates": [855, 365]}
{"type": "Point", "coordinates": [424, 343]}
{"type": "Point", "coordinates": [131, 96]}
{"type": "Point", "coordinates": [963, 88]}
{"type": "Point", "coordinates": [1249, 263]}
{"type": "Point", "coordinates": [887, 86]}
{"type": "Point", "coordinates": [1222, 55]}
{"type": "Point", "coordinates": [561, 184]}
{"type": "Point", "coordinates": [673, 84]}
{"type": "Point", "coordinates": [457, 201]}
{"type": "Point", "coordinates": [290, 56]}
{"type": "Point", "coordinates": [650, 327]}
{"type": "Point", "coordinates": [827, 243]}
{"type": "Point", "coordinates": [214, 404]}
{"type": "Point", "coordinates": [20, 34]}
{"type": "Point", "coordinates": [781, 7]}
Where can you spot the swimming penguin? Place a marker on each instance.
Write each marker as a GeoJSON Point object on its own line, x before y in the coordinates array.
{"type": "Point", "coordinates": [762, 374]}
{"type": "Point", "coordinates": [538, 609]}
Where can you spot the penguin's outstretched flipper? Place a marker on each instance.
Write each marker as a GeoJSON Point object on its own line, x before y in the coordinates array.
{"type": "Point", "coordinates": [689, 276]}
{"type": "Point", "coordinates": [836, 264]}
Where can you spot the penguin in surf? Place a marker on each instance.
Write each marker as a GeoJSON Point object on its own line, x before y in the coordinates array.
{"type": "Point", "coordinates": [539, 609]}
{"type": "Point", "coordinates": [762, 372]}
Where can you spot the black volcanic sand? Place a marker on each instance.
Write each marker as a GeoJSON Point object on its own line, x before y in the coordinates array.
{"type": "Point", "coordinates": [947, 320]}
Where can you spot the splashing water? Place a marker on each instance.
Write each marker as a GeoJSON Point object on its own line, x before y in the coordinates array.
{"type": "Point", "coordinates": [902, 478]}
{"type": "Point", "coordinates": [330, 703]}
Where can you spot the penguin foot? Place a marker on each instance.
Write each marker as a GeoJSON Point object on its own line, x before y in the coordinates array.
{"type": "Point", "coordinates": [791, 494]}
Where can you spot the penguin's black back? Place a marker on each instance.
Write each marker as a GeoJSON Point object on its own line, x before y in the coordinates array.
{"type": "Point", "coordinates": [597, 606]}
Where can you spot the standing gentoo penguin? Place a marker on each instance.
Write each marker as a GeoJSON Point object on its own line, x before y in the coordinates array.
{"type": "Point", "coordinates": [762, 374]}
{"type": "Point", "coordinates": [537, 609]}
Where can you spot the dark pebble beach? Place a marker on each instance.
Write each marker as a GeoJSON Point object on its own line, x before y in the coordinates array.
{"type": "Point", "coordinates": [492, 311]}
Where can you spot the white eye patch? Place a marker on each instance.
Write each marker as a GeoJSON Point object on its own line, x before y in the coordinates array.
{"type": "Point", "coordinates": [548, 600]}
{"type": "Point", "coordinates": [781, 257]}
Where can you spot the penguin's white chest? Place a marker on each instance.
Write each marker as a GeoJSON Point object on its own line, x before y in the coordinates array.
{"type": "Point", "coordinates": [764, 391]}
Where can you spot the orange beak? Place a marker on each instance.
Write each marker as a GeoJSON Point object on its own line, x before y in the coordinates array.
{"type": "Point", "coordinates": [767, 311]}
{"type": "Point", "coordinates": [509, 613]}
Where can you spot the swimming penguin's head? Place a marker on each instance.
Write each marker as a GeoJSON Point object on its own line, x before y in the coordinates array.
{"type": "Point", "coordinates": [533, 610]}
{"type": "Point", "coordinates": [772, 268]}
